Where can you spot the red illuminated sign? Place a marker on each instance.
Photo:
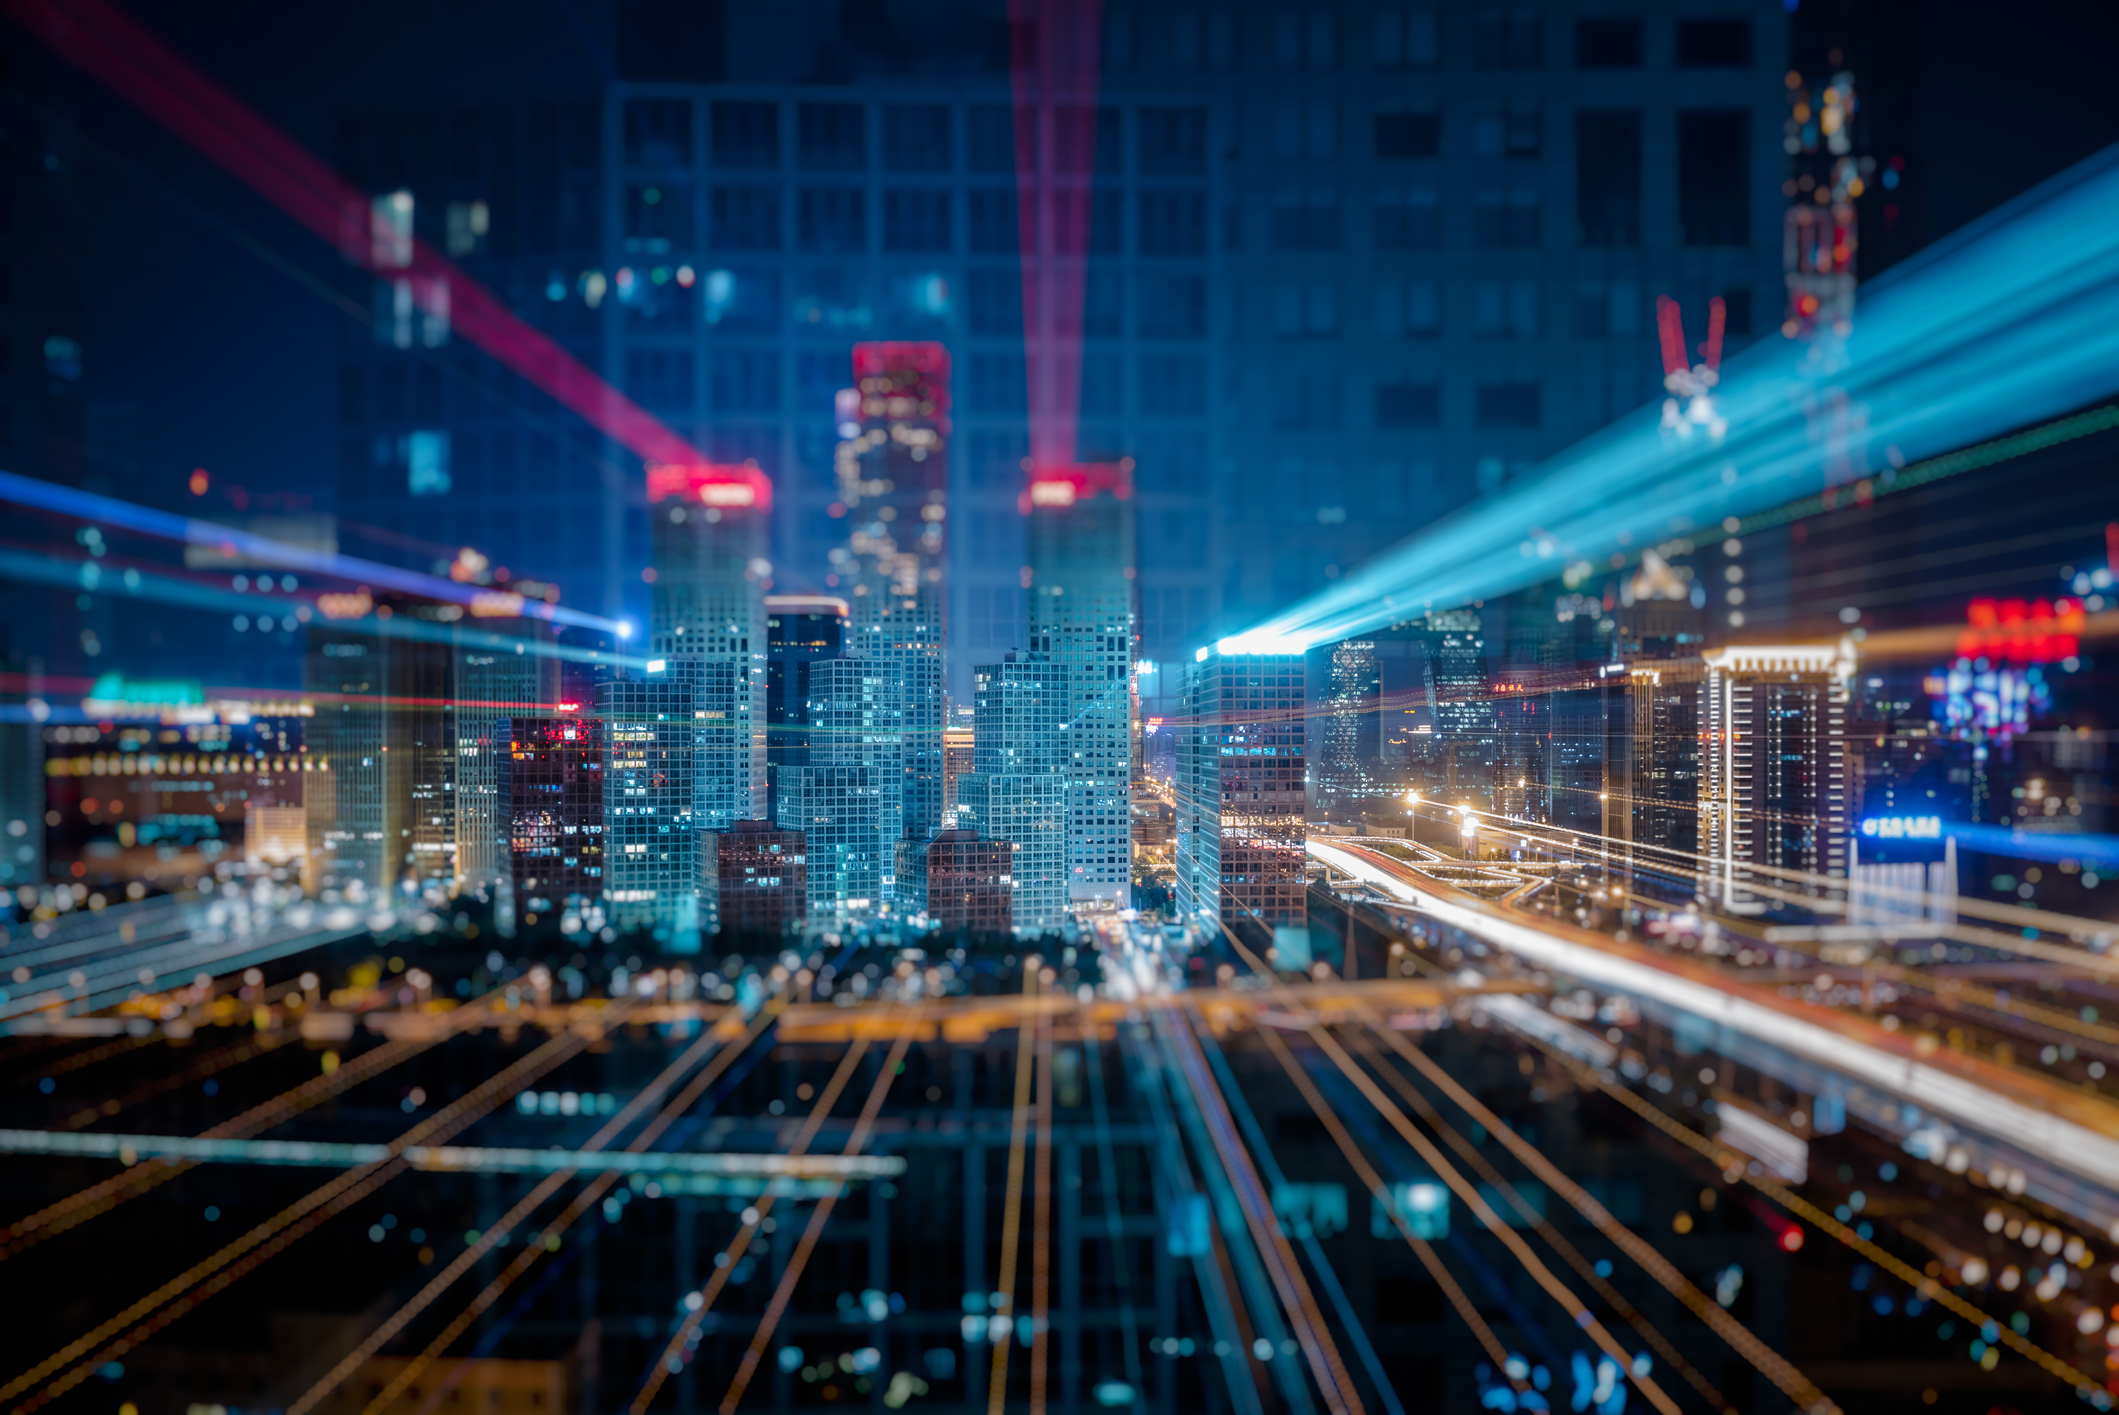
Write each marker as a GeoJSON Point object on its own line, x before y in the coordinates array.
{"type": "Point", "coordinates": [2022, 631]}
{"type": "Point", "coordinates": [1063, 486]}
{"type": "Point", "coordinates": [710, 484]}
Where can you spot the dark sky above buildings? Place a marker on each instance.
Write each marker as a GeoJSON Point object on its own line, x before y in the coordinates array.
{"type": "Point", "coordinates": [210, 317]}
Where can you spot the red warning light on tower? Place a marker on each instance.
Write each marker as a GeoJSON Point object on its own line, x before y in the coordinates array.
{"type": "Point", "coordinates": [713, 484]}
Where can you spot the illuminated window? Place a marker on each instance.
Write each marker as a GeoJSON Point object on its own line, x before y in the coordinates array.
{"type": "Point", "coordinates": [427, 463]}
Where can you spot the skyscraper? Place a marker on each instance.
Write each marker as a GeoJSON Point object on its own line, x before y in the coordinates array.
{"type": "Point", "coordinates": [1773, 788]}
{"type": "Point", "coordinates": [799, 630]}
{"type": "Point", "coordinates": [550, 815]}
{"type": "Point", "coordinates": [505, 672]}
{"type": "Point", "coordinates": [1240, 791]}
{"type": "Point", "coordinates": [761, 877]}
{"type": "Point", "coordinates": [1081, 613]}
{"type": "Point", "coordinates": [1467, 745]}
{"type": "Point", "coordinates": [1347, 766]}
{"type": "Point", "coordinates": [707, 623]}
{"type": "Point", "coordinates": [1652, 767]}
{"type": "Point", "coordinates": [383, 815]}
{"type": "Point", "coordinates": [893, 480]}
{"type": "Point", "coordinates": [1018, 789]}
{"type": "Point", "coordinates": [847, 801]}
{"type": "Point", "coordinates": [651, 837]}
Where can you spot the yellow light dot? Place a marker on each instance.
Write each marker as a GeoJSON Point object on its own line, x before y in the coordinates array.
{"type": "Point", "coordinates": [1682, 1223]}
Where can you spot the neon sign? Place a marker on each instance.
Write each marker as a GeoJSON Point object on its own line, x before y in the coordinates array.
{"type": "Point", "coordinates": [1903, 828]}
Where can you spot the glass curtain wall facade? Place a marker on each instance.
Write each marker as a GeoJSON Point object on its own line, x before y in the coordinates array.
{"type": "Point", "coordinates": [1082, 619]}
{"type": "Point", "coordinates": [707, 623]}
{"type": "Point", "coordinates": [1773, 779]}
{"type": "Point", "coordinates": [1241, 791]}
{"type": "Point", "coordinates": [651, 837]}
{"type": "Point", "coordinates": [1018, 789]}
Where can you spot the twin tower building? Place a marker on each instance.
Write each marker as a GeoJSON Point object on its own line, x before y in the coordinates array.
{"type": "Point", "coordinates": [712, 786]}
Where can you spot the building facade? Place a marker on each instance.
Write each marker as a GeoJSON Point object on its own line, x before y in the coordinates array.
{"type": "Point", "coordinates": [1345, 271]}
{"type": "Point", "coordinates": [651, 837]}
{"type": "Point", "coordinates": [1773, 781]}
{"type": "Point", "coordinates": [1241, 791]}
{"type": "Point", "coordinates": [1081, 592]}
{"type": "Point", "coordinates": [1018, 790]}
{"type": "Point", "coordinates": [551, 818]}
{"type": "Point", "coordinates": [849, 801]}
{"type": "Point", "coordinates": [970, 883]}
{"type": "Point", "coordinates": [761, 874]}
{"type": "Point", "coordinates": [799, 630]}
{"type": "Point", "coordinates": [707, 624]}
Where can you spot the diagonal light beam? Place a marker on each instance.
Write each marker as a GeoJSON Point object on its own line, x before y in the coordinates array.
{"type": "Point", "coordinates": [2014, 320]}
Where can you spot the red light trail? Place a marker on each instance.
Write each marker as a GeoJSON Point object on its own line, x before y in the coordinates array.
{"type": "Point", "coordinates": [109, 45]}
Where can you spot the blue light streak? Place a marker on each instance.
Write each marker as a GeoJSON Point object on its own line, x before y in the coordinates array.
{"type": "Point", "coordinates": [167, 525]}
{"type": "Point", "coordinates": [2012, 321]}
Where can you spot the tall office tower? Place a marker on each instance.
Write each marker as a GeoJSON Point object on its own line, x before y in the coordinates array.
{"type": "Point", "coordinates": [799, 630]}
{"type": "Point", "coordinates": [1349, 749]}
{"type": "Point", "coordinates": [1240, 793]}
{"type": "Point", "coordinates": [893, 478]}
{"type": "Point", "coordinates": [1082, 619]}
{"type": "Point", "coordinates": [1773, 787]}
{"type": "Point", "coordinates": [382, 817]}
{"type": "Point", "coordinates": [650, 835]}
{"type": "Point", "coordinates": [970, 883]}
{"type": "Point", "coordinates": [761, 876]}
{"type": "Point", "coordinates": [1652, 764]}
{"type": "Point", "coordinates": [958, 756]}
{"type": "Point", "coordinates": [505, 671]}
{"type": "Point", "coordinates": [1018, 789]}
{"type": "Point", "coordinates": [706, 622]}
{"type": "Point", "coordinates": [1467, 741]}
{"type": "Point", "coordinates": [551, 817]}
{"type": "Point", "coordinates": [848, 801]}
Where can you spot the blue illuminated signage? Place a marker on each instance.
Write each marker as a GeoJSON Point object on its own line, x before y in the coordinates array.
{"type": "Point", "coordinates": [1902, 828]}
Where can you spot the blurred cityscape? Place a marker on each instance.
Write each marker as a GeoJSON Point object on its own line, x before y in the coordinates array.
{"type": "Point", "coordinates": [954, 705]}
